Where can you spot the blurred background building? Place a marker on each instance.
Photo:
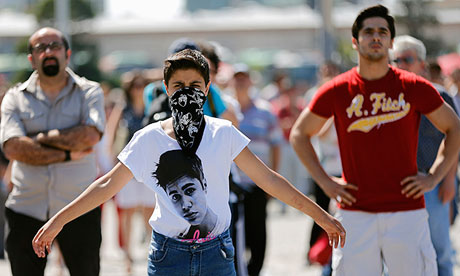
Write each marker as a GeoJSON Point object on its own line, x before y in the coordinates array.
{"type": "Point", "coordinates": [113, 36]}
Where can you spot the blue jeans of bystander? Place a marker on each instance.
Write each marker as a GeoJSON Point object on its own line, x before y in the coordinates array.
{"type": "Point", "coordinates": [438, 221]}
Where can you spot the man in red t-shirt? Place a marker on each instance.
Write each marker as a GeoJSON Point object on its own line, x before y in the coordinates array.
{"type": "Point", "coordinates": [377, 110]}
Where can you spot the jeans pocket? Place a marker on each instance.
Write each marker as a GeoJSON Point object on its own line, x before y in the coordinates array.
{"type": "Point", "coordinates": [227, 251]}
{"type": "Point", "coordinates": [157, 253]}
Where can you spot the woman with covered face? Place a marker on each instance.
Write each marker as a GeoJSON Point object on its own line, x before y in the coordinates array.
{"type": "Point", "coordinates": [192, 215]}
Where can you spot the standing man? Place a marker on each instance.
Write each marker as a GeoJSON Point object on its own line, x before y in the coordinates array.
{"type": "Point", "coordinates": [409, 54]}
{"type": "Point", "coordinates": [49, 125]}
{"type": "Point", "coordinates": [261, 126]}
{"type": "Point", "coordinates": [377, 110]}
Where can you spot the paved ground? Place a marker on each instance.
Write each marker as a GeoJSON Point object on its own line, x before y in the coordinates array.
{"type": "Point", "coordinates": [285, 255]}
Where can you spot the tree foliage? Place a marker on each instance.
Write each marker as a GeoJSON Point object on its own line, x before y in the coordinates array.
{"type": "Point", "coordinates": [418, 16]}
{"type": "Point", "coordinates": [79, 10]}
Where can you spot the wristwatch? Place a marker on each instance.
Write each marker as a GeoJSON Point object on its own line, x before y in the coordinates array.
{"type": "Point", "coordinates": [67, 156]}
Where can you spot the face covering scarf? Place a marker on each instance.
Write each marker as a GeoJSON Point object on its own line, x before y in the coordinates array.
{"type": "Point", "coordinates": [188, 118]}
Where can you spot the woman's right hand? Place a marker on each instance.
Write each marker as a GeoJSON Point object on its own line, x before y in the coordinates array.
{"type": "Point", "coordinates": [44, 238]}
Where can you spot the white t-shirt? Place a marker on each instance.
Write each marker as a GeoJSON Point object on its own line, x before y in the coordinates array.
{"type": "Point", "coordinates": [180, 207]}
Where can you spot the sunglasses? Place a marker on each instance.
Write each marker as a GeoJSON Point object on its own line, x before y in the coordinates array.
{"type": "Point", "coordinates": [407, 60]}
{"type": "Point", "coordinates": [53, 46]}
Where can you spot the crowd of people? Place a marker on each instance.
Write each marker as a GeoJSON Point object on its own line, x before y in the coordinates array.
{"type": "Point", "coordinates": [199, 152]}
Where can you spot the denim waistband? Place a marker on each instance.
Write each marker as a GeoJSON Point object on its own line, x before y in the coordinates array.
{"type": "Point", "coordinates": [163, 241]}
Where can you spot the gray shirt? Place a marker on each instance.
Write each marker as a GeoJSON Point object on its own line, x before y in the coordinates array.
{"type": "Point", "coordinates": [41, 191]}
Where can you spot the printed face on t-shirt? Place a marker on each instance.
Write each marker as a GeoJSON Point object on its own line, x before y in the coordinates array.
{"type": "Point", "coordinates": [189, 198]}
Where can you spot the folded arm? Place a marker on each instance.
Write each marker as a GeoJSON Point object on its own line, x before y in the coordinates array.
{"type": "Point", "coordinates": [29, 151]}
{"type": "Point", "coordinates": [49, 148]}
{"type": "Point", "coordinates": [77, 138]}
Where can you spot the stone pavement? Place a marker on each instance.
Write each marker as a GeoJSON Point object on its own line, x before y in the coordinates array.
{"type": "Point", "coordinates": [287, 239]}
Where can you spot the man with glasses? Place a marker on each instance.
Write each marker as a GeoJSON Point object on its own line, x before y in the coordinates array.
{"type": "Point", "coordinates": [49, 126]}
{"type": "Point", "coordinates": [409, 54]}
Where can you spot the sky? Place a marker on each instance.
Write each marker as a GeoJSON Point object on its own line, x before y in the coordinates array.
{"type": "Point", "coordinates": [149, 8]}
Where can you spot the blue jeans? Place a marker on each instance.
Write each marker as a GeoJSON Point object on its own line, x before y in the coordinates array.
{"type": "Point", "coordinates": [439, 230]}
{"type": "Point", "coordinates": [171, 257]}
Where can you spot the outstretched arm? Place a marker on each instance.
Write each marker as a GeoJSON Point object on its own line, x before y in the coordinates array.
{"type": "Point", "coordinates": [307, 125]}
{"type": "Point", "coordinates": [98, 192]}
{"type": "Point", "coordinates": [277, 186]}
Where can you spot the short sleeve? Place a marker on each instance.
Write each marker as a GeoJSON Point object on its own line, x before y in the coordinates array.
{"type": "Point", "coordinates": [94, 114]}
{"type": "Point", "coordinates": [322, 102]}
{"type": "Point", "coordinates": [238, 143]}
{"type": "Point", "coordinates": [11, 124]}
{"type": "Point", "coordinates": [133, 158]}
{"type": "Point", "coordinates": [426, 97]}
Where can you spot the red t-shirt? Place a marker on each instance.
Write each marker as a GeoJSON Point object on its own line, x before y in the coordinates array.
{"type": "Point", "coordinates": [377, 126]}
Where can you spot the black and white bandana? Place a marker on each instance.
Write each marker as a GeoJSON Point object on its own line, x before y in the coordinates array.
{"type": "Point", "coordinates": [188, 118]}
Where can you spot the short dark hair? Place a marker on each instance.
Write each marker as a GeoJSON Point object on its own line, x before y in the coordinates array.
{"type": "Point", "coordinates": [175, 164]}
{"type": "Point", "coordinates": [64, 41]}
{"type": "Point", "coordinates": [186, 59]}
{"type": "Point", "coordinates": [374, 11]}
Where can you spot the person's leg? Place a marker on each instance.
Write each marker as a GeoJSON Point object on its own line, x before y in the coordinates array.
{"type": "Point", "coordinates": [80, 241]}
{"type": "Point", "coordinates": [361, 255]}
{"type": "Point", "coordinates": [147, 213]}
{"type": "Point", "coordinates": [255, 228]}
{"type": "Point", "coordinates": [438, 221]}
{"type": "Point", "coordinates": [2, 221]}
{"type": "Point", "coordinates": [406, 243]}
{"type": "Point", "coordinates": [22, 230]}
{"type": "Point", "coordinates": [126, 215]}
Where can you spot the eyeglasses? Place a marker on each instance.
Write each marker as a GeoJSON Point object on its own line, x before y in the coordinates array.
{"type": "Point", "coordinates": [407, 60]}
{"type": "Point", "coordinates": [53, 46]}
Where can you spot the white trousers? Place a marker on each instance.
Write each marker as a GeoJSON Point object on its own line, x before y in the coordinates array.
{"type": "Point", "coordinates": [401, 240]}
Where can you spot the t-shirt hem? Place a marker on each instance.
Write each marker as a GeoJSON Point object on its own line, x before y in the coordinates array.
{"type": "Point", "coordinates": [384, 210]}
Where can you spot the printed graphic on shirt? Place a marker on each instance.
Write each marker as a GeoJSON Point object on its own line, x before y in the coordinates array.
{"type": "Point", "coordinates": [392, 109]}
{"type": "Point", "coordinates": [181, 177]}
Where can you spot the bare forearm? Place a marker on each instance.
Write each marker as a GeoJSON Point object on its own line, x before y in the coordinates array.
{"type": "Point", "coordinates": [280, 188]}
{"type": "Point", "coordinates": [451, 174]}
{"type": "Point", "coordinates": [73, 139]}
{"type": "Point", "coordinates": [447, 156]}
{"type": "Point", "coordinates": [26, 150]}
{"type": "Point", "coordinates": [97, 193]}
{"type": "Point", "coordinates": [306, 153]}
